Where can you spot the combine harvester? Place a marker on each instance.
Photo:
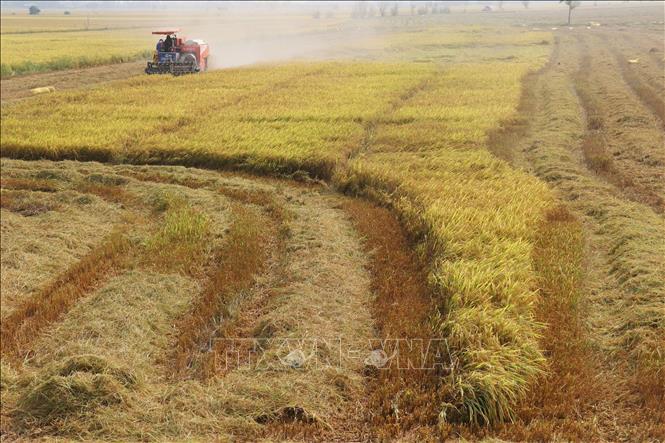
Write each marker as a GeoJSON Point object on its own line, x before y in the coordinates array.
{"type": "Point", "coordinates": [177, 55]}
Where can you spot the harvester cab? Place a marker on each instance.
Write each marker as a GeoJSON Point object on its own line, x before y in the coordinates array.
{"type": "Point", "coordinates": [176, 55]}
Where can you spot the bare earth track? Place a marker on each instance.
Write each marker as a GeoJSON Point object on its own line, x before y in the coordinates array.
{"type": "Point", "coordinates": [17, 88]}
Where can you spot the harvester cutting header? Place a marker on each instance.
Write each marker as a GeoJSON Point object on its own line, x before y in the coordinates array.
{"type": "Point", "coordinates": [177, 55]}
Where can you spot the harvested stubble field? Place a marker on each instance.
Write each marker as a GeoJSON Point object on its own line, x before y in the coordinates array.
{"type": "Point", "coordinates": [518, 178]}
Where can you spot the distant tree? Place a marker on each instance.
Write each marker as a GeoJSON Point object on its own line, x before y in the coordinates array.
{"type": "Point", "coordinates": [500, 4]}
{"type": "Point", "coordinates": [572, 4]}
{"type": "Point", "coordinates": [394, 10]}
{"type": "Point", "coordinates": [67, 13]}
{"type": "Point", "coordinates": [442, 8]}
{"type": "Point", "coordinates": [383, 7]}
{"type": "Point", "coordinates": [359, 10]}
{"type": "Point", "coordinates": [34, 10]}
{"type": "Point", "coordinates": [526, 5]}
{"type": "Point", "coordinates": [423, 8]}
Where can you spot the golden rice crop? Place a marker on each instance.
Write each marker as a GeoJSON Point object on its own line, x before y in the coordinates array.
{"type": "Point", "coordinates": [38, 52]}
{"type": "Point", "coordinates": [409, 135]}
{"type": "Point", "coordinates": [476, 216]}
{"type": "Point", "coordinates": [51, 42]}
{"type": "Point", "coordinates": [19, 22]}
{"type": "Point", "coordinates": [469, 35]}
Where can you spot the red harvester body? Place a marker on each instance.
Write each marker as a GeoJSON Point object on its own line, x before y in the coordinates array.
{"type": "Point", "coordinates": [178, 56]}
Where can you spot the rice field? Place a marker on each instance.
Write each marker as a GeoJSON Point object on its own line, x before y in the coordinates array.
{"type": "Point", "coordinates": [41, 52]}
{"type": "Point", "coordinates": [15, 21]}
{"type": "Point", "coordinates": [348, 123]}
{"type": "Point", "coordinates": [432, 126]}
{"type": "Point", "coordinates": [35, 44]}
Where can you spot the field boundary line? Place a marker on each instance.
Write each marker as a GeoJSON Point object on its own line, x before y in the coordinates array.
{"type": "Point", "coordinates": [60, 31]}
{"type": "Point", "coordinates": [370, 125]}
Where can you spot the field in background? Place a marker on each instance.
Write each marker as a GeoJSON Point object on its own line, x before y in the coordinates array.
{"type": "Point", "coordinates": [19, 22]}
{"type": "Point", "coordinates": [55, 42]}
{"type": "Point", "coordinates": [504, 261]}
{"type": "Point", "coordinates": [33, 53]}
{"type": "Point", "coordinates": [51, 43]}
